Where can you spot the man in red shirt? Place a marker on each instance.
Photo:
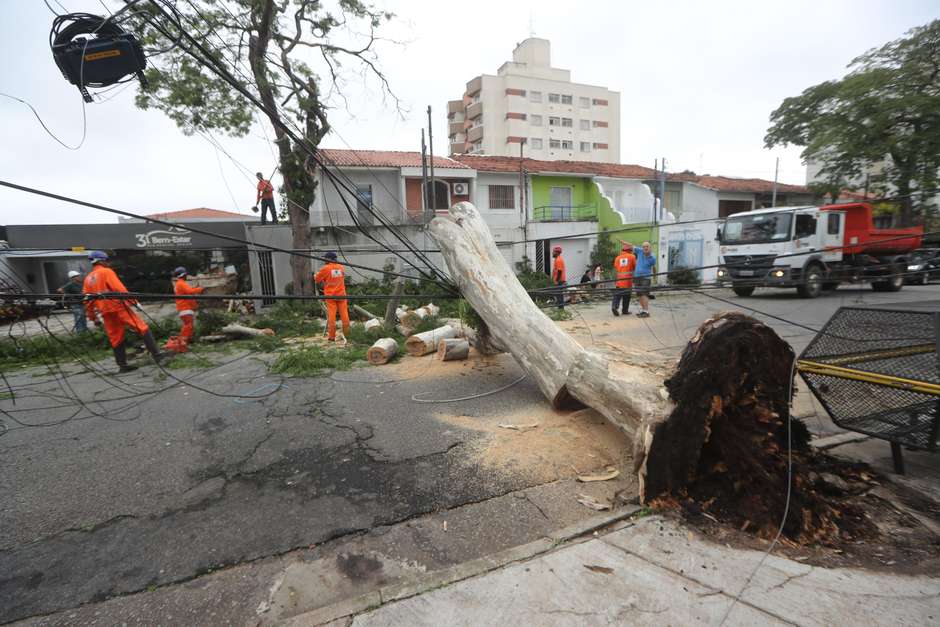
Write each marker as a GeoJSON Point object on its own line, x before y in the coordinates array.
{"type": "Point", "coordinates": [266, 198]}
{"type": "Point", "coordinates": [185, 307]}
{"type": "Point", "coordinates": [116, 314]}
{"type": "Point", "coordinates": [559, 277]}
{"type": "Point", "coordinates": [624, 265]}
{"type": "Point", "coordinates": [333, 279]}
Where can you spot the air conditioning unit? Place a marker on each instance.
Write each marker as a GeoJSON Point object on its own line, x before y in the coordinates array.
{"type": "Point", "coordinates": [460, 189]}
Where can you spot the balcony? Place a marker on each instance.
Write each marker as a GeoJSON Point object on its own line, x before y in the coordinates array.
{"type": "Point", "coordinates": [474, 110]}
{"type": "Point", "coordinates": [564, 213]}
{"type": "Point", "coordinates": [454, 128]}
{"type": "Point", "coordinates": [458, 148]}
{"type": "Point", "coordinates": [475, 134]}
{"type": "Point", "coordinates": [454, 106]}
{"type": "Point", "coordinates": [474, 86]}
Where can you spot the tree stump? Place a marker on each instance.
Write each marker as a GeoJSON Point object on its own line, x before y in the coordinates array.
{"type": "Point", "coordinates": [453, 349]}
{"type": "Point", "coordinates": [733, 378]}
{"type": "Point", "coordinates": [382, 351]}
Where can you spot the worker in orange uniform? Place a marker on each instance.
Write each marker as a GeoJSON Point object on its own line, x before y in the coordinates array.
{"type": "Point", "coordinates": [624, 265]}
{"type": "Point", "coordinates": [266, 199]}
{"type": "Point", "coordinates": [185, 307]}
{"type": "Point", "coordinates": [116, 315]}
{"type": "Point", "coordinates": [333, 278]}
{"type": "Point", "coordinates": [559, 277]}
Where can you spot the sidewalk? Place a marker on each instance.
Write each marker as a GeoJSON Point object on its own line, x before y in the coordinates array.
{"type": "Point", "coordinates": [654, 571]}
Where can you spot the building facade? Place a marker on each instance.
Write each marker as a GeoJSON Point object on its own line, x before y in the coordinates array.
{"type": "Point", "coordinates": [536, 108]}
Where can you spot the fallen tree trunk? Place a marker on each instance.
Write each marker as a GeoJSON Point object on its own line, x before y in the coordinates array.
{"type": "Point", "coordinates": [424, 343]}
{"type": "Point", "coordinates": [453, 349]}
{"type": "Point", "coordinates": [392, 308]}
{"type": "Point", "coordinates": [382, 351]}
{"type": "Point", "coordinates": [372, 324]}
{"type": "Point", "coordinates": [669, 417]}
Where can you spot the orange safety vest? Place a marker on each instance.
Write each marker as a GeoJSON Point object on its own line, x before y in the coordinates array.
{"type": "Point", "coordinates": [558, 270]}
{"type": "Point", "coordinates": [101, 280]}
{"type": "Point", "coordinates": [183, 288]}
{"type": "Point", "coordinates": [333, 278]}
{"type": "Point", "coordinates": [624, 265]}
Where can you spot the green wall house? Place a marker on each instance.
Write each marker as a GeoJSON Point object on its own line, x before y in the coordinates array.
{"type": "Point", "coordinates": [559, 198]}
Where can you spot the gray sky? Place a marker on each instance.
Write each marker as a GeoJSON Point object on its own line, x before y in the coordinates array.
{"type": "Point", "coordinates": [698, 81]}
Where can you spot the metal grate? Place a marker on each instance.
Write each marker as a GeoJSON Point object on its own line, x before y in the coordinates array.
{"type": "Point", "coordinates": [876, 371]}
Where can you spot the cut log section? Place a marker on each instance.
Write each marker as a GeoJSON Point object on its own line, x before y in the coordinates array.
{"type": "Point", "coordinates": [382, 351]}
{"type": "Point", "coordinates": [453, 349]}
{"type": "Point", "coordinates": [243, 331]}
{"type": "Point", "coordinates": [733, 359]}
{"type": "Point", "coordinates": [413, 317]}
{"type": "Point", "coordinates": [372, 325]}
{"type": "Point", "coordinates": [365, 314]}
{"type": "Point", "coordinates": [424, 343]}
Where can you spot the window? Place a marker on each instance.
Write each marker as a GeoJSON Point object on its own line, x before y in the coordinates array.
{"type": "Point", "coordinates": [535, 143]}
{"type": "Point", "coordinates": [566, 100]}
{"type": "Point", "coordinates": [805, 226]}
{"type": "Point", "coordinates": [598, 124]}
{"type": "Point", "coordinates": [599, 102]}
{"type": "Point", "coordinates": [585, 146]}
{"type": "Point", "coordinates": [567, 144]}
{"type": "Point", "coordinates": [554, 98]}
{"type": "Point", "coordinates": [566, 122]}
{"type": "Point", "coordinates": [535, 96]}
{"type": "Point", "coordinates": [502, 196]}
{"type": "Point", "coordinates": [832, 228]}
{"type": "Point", "coordinates": [600, 146]}
{"type": "Point", "coordinates": [553, 121]}
{"type": "Point", "coordinates": [364, 203]}
{"type": "Point", "coordinates": [585, 125]}
{"type": "Point", "coordinates": [554, 143]}
{"type": "Point", "coordinates": [536, 120]}
{"type": "Point", "coordinates": [584, 103]}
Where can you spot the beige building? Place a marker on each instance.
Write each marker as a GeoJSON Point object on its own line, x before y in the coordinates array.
{"type": "Point", "coordinates": [529, 102]}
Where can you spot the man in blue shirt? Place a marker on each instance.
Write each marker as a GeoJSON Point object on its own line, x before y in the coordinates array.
{"type": "Point", "coordinates": [642, 278]}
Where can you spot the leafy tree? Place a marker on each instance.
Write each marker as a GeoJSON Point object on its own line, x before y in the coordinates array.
{"type": "Point", "coordinates": [604, 251]}
{"type": "Point", "coordinates": [886, 110]}
{"type": "Point", "coordinates": [292, 54]}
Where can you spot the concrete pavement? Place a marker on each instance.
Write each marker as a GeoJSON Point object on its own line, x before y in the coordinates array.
{"type": "Point", "coordinates": [653, 571]}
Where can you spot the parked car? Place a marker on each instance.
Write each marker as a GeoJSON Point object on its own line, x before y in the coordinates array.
{"type": "Point", "coordinates": [923, 266]}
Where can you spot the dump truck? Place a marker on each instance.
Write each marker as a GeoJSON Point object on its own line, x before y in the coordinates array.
{"type": "Point", "coordinates": [813, 249]}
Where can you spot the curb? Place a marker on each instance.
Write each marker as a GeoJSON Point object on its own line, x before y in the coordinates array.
{"type": "Point", "coordinates": [458, 572]}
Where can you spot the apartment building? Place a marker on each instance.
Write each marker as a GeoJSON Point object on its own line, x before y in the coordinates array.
{"type": "Point", "coordinates": [532, 105]}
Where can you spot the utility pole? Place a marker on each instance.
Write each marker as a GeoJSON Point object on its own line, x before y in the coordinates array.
{"type": "Point", "coordinates": [522, 212]}
{"type": "Point", "coordinates": [773, 200]}
{"type": "Point", "coordinates": [431, 151]}
{"type": "Point", "coordinates": [662, 191]}
{"type": "Point", "coordinates": [867, 178]}
{"type": "Point", "coordinates": [425, 198]}
{"type": "Point", "coordinates": [655, 189]}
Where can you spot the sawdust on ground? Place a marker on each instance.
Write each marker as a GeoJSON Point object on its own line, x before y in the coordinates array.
{"type": "Point", "coordinates": [563, 444]}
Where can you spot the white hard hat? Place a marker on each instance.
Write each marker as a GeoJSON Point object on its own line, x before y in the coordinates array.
{"type": "Point", "coordinates": [73, 274]}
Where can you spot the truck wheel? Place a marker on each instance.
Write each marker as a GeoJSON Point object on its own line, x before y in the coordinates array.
{"type": "Point", "coordinates": [893, 283]}
{"type": "Point", "coordinates": [743, 290]}
{"type": "Point", "coordinates": [812, 284]}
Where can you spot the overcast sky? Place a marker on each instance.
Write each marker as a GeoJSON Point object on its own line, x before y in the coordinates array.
{"type": "Point", "coordinates": [698, 81]}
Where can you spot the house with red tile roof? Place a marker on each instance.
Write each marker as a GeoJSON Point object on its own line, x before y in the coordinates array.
{"type": "Point", "coordinates": [198, 214]}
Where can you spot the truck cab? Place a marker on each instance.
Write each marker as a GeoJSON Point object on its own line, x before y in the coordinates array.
{"type": "Point", "coordinates": [812, 249]}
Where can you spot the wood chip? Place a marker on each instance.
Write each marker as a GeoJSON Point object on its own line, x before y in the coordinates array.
{"type": "Point", "coordinates": [519, 427]}
{"type": "Point", "coordinates": [589, 501]}
{"type": "Point", "coordinates": [598, 569]}
{"type": "Point", "coordinates": [612, 473]}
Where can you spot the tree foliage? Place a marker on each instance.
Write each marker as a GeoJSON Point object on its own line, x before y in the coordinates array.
{"type": "Point", "coordinates": [294, 55]}
{"type": "Point", "coordinates": [882, 118]}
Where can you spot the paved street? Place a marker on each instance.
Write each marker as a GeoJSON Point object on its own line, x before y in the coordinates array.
{"type": "Point", "coordinates": [149, 483]}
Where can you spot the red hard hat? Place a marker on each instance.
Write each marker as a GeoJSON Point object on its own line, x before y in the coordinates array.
{"type": "Point", "coordinates": [556, 249]}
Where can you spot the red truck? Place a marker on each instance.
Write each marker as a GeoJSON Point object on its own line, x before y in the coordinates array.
{"type": "Point", "coordinates": [813, 249]}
